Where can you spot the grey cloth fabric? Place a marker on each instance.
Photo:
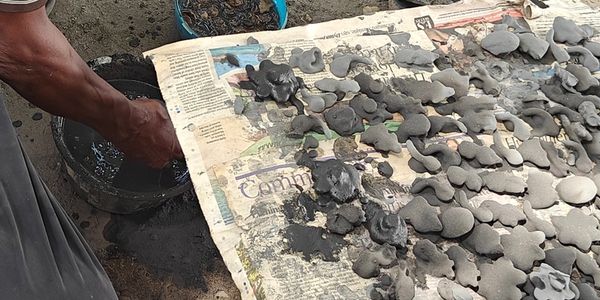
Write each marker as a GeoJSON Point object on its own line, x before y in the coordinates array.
{"type": "Point", "coordinates": [42, 253]}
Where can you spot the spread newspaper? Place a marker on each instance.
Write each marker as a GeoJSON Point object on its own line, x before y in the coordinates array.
{"type": "Point", "coordinates": [243, 166]}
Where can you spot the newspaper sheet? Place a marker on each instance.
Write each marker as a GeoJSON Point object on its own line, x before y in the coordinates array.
{"type": "Point", "coordinates": [243, 166]}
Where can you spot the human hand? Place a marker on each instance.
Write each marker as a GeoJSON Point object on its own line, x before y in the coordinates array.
{"type": "Point", "coordinates": [147, 134]}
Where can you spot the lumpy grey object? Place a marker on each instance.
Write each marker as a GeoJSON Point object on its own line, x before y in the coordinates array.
{"type": "Point", "coordinates": [511, 155]}
{"type": "Point", "coordinates": [343, 219]}
{"type": "Point", "coordinates": [560, 54]}
{"type": "Point", "coordinates": [343, 120]}
{"type": "Point", "coordinates": [334, 85]}
{"type": "Point", "coordinates": [514, 24]}
{"type": "Point", "coordinates": [532, 45]}
{"type": "Point", "coordinates": [523, 247]}
{"type": "Point", "coordinates": [520, 129]}
{"type": "Point", "coordinates": [582, 162]}
{"type": "Point", "coordinates": [43, 254]}
{"type": "Point", "coordinates": [500, 42]}
{"type": "Point", "coordinates": [535, 223]}
{"type": "Point", "coordinates": [541, 121]}
{"type": "Point", "coordinates": [443, 191]}
{"type": "Point", "coordinates": [558, 167]}
{"type": "Point", "coordinates": [445, 125]}
{"type": "Point", "coordinates": [466, 271]}
{"type": "Point", "coordinates": [457, 221]}
{"type": "Point", "coordinates": [504, 183]}
{"type": "Point", "coordinates": [451, 78]}
{"type": "Point", "coordinates": [571, 115]}
{"type": "Point", "coordinates": [576, 190]}
{"type": "Point", "coordinates": [483, 155]}
{"type": "Point", "coordinates": [238, 106]}
{"type": "Point", "coordinates": [386, 227]}
{"type": "Point", "coordinates": [584, 77]}
{"type": "Point", "coordinates": [499, 70]}
{"type": "Point", "coordinates": [422, 216]}
{"type": "Point", "coordinates": [551, 284]}
{"type": "Point", "coordinates": [252, 41]}
{"type": "Point", "coordinates": [368, 109]}
{"type": "Point", "coordinates": [572, 101]}
{"type": "Point", "coordinates": [302, 124]}
{"type": "Point", "coordinates": [577, 228]}
{"type": "Point", "coordinates": [500, 280]}
{"type": "Point", "coordinates": [432, 261]}
{"type": "Point", "coordinates": [467, 104]}
{"type": "Point", "coordinates": [586, 264]}
{"type": "Point", "coordinates": [341, 64]}
{"type": "Point", "coordinates": [427, 92]}
{"type": "Point", "coordinates": [385, 169]}
{"type": "Point", "coordinates": [415, 126]}
{"type": "Point", "coordinates": [594, 47]}
{"type": "Point", "coordinates": [586, 58]}
{"type": "Point", "coordinates": [418, 57]}
{"type": "Point", "coordinates": [450, 290]}
{"type": "Point", "coordinates": [318, 103]}
{"type": "Point", "coordinates": [561, 259]}
{"type": "Point", "coordinates": [586, 292]}
{"type": "Point", "coordinates": [400, 38]}
{"type": "Point", "coordinates": [482, 214]}
{"type": "Point", "coordinates": [369, 262]}
{"type": "Point", "coordinates": [532, 151]}
{"type": "Point", "coordinates": [576, 131]}
{"type": "Point", "coordinates": [381, 139]}
{"type": "Point", "coordinates": [589, 113]}
{"type": "Point", "coordinates": [540, 192]}
{"type": "Point", "coordinates": [336, 179]}
{"type": "Point", "coordinates": [479, 122]}
{"type": "Point", "coordinates": [588, 30]}
{"type": "Point", "coordinates": [459, 176]}
{"type": "Point", "coordinates": [567, 80]}
{"type": "Point", "coordinates": [484, 240]}
{"type": "Point", "coordinates": [507, 214]}
{"type": "Point", "coordinates": [404, 286]}
{"type": "Point", "coordinates": [309, 62]}
{"type": "Point", "coordinates": [566, 31]}
{"type": "Point", "coordinates": [310, 142]}
{"type": "Point", "coordinates": [481, 78]}
{"type": "Point", "coordinates": [444, 154]}
{"type": "Point", "coordinates": [429, 162]}
{"type": "Point", "coordinates": [593, 147]}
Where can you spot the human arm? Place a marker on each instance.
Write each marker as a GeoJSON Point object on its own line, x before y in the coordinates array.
{"type": "Point", "coordinates": [40, 64]}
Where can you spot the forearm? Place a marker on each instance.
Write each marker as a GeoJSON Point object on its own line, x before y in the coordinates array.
{"type": "Point", "coordinates": [45, 70]}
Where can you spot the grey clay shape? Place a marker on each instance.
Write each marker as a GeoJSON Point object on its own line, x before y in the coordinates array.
{"type": "Point", "coordinates": [511, 155]}
{"type": "Point", "coordinates": [570, 100]}
{"type": "Point", "coordinates": [417, 57]}
{"type": "Point", "coordinates": [541, 121]}
{"type": "Point", "coordinates": [500, 280]}
{"type": "Point", "coordinates": [343, 120]}
{"type": "Point", "coordinates": [378, 91]}
{"type": "Point", "coordinates": [302, 124]}
{"type": "Point", "coordinates": [310, 142]}
{"type": "Point", "coordinates": [467, 104]}
{"type": "Point", "coordinates": [318, 103]}
{"type": "Point", "coordinates": [577, 229]}
{"type": "Point", "coordinates": [540, 193]}
{"type": "Point", "coordinates": [560, 55]}
{"type": "Point", "coordinates": [427, 92]}
{"type": "Point", "coordinates": [566, 31]}
{"type": "Point", "coordinates": [443, 191]}
{"type": "Point", "coordinates": [585, 80]}
{"type": "Point", "coordinates": [558, 110]}
{"type": "Point", "coordinates": [589, 113]}
{"type": "Point", "coordinates": [532, 45]}
{"type": "Point", "coordinates": [586, 264]}
{"type": "Point", "coordinates": [594, 47]}
{"type": "Point", "coordinates": [499, 70]}
{"type": "Point", "coordinates": [450, 290]}
{"type": "Point", "coordinates": [587, 292]}
{"type": "Point", "coordinates": [531, 150]}
{"type": "Point", "coordinates": [381, 139]}
{"type": "Point", "coordinates": [523, 247]}
{"type": "Point", "coordinates": [404, 285]}
{"type": "Point", "coordinates": [504, 183]}
{"type": "Point", "coordinates": [415, 126]}
{"type": "Point", "coordinates": [385, 169]}
{"type": "Point", "coordinates": [459, 177]}
{"type": "Point", "coordinates": [432, 261]}
{"type": "Point", "coordinates": [483, 155]}
{"type": "Point", "coordinates": [422, 216]}
{"type": "Point", "coordinates": [567, 79]}
{"type": "Point", "coordinates": [341, 64]}
{"type": "Point", "coordinates": [334, 85]}
{"type": "Point", "coordinates": [576, 190]}
{"type": "Point", "coordinates": [482, 214]}
{"type": "Point", "coordinates": [558, 167]}
{"type": "Point", "coordinates": [431, 164]}
{"type": "Point", "coordinates": [309, 62]}
{"type": "Point", "coordinates": [484, 240]}
{"type": "Point", "coordinates": [337, 179]}
{"type": "Point", "coordinates": [457, 221]}
{"type": "Point", "coordinates": [445, 125]}
{"type": "Point", "coordinates": [520, 129]}
{"type": "Point", "coordinates": [481, 78]}
{"type": "Point", "coordinates": [551, 284]}
{"type": "Point", "coordinates": [343, 219]}
{"type": "Point", "coordinates": [507, 214]}
{"type": "Point", "coordinates": [368, 109]}
{"type": "Point", "coordinates": [561, 259]}
{"type": "Point", "coordinates": [500, 42]}
{"type": "Point", "coordinates": [585, 57]}
{"type": "Point", "coordinates": [451, 78]}
{"type": "Point", "coordinates": [369, 262]}
{"type": "Point", "coordinates": [385, 227]}
{"type": "Point", "coordinates": [534, 223]}
{"type": "Point", "coordinates": [239, 105]}
{"type": "Point", "coordinates": [582, 162]}
{"type": "Point", "coordinates": [466, 271]}
{"type": "Point", "coordinates": [480, 122]}
{"type": "Point", "coordinates": [444, 154]}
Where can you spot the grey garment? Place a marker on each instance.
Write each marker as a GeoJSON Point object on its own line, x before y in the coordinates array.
{"type": "Point", "coordinates": [42, 253]}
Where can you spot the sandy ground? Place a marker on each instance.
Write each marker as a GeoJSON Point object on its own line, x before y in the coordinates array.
{"type": "Point", "coordinates": [104, 27]}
